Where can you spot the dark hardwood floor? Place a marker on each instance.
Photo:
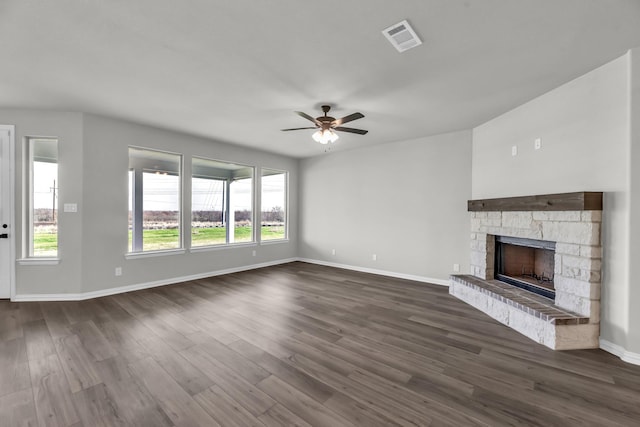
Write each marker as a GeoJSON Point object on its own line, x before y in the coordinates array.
{"type": "Point", "coordinates": [296, 344]}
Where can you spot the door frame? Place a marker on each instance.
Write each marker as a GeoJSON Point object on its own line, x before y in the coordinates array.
{"type": "Point", "coordinates": [12, 217]}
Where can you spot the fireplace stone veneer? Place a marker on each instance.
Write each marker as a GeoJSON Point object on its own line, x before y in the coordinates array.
{"type": "Point", "coordinates": [572, 321]}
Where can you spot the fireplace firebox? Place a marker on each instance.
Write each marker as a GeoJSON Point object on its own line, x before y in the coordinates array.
{"type": "Point", "coordinates": [526, 263]}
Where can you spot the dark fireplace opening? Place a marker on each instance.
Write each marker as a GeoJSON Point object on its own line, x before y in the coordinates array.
{"type": "Point", "coordinates": [526, 263]}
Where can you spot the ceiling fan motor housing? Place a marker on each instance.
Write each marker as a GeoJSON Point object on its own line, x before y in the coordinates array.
{"type": "Point", "coordinates": [326, 120]}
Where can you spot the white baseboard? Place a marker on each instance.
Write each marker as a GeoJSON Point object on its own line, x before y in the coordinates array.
{"type": "Point", "coordinates": [146, 285]}
{"type": "Point", "coordinates": [379, 272]}
{"type": "Point", "coordinates": [139, 286]}
{"type": "Point", "coordinates": [620, 351]}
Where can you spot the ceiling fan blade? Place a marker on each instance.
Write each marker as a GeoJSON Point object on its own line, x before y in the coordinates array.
{"type": "Point", "coordinates": [308, 117]}
{"type": "Point", "coordinates": [284, 130]}
{"type": "Point", "coordinates": [345, 119]}
{"type": "Point", "coordinates": [352, 130]}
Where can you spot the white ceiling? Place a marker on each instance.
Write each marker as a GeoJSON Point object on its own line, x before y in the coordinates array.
{"type": "Point", "coordinates": [235, 71]}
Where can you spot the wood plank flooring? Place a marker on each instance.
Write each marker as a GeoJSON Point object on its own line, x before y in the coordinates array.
{"type": "Point", "coordinates": [295, 345]}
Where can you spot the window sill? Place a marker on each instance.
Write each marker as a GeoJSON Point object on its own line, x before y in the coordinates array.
{"type": "Point", "coordinates": [273, 241]}
{"type": "Point", "coordinates": [38, 261]}
{"type": "Point", "coordinates": [152, 254]}
{"type": "Point", "coordinates": [220, 247]}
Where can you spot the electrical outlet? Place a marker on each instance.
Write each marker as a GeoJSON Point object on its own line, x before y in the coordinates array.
{"type": "Point", "coordinates": [253, 253]}
{"type": "Point", "coordinates": [374, 257]}
{"type": "Point", "coordinates": [537, 144]}
{"type": "Point", "coordinates": [456, 267]}
{"type": "Point", "coordinates": [514, 150]}
{"type": "Point", "coordinates": [118, 271]}
{"type": "Point", "coordinates": [70, 207]}
{"type": "Point", "coordinates": [333, 251]}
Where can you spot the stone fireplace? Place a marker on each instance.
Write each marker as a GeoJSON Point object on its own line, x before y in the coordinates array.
{"type": "Point", "coordinates": [536, 266]}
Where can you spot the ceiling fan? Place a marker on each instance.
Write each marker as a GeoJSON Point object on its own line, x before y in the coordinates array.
{"type": "Point", "coordinates": [327, 125]}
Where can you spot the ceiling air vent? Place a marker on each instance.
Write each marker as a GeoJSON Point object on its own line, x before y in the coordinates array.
{"type": "Point", "coordinates": [402, 36]}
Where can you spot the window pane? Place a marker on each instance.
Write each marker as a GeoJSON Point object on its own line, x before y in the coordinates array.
{"type": "Point", "coordinates": [274, 205]}
{"type": "Point", "coordinates": [154, 182]}
{"type": "Point", "coordinates": [241, 201]}
{"type": "Point", "coordinates": [161, 205]}
{"type": "Point", "coordinates": [208, 226]}
{"type": "Point", "coordinates": [44, 197]}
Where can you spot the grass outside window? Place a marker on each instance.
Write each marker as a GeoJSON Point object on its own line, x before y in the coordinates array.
{"type": "Point", "coordinates": [157, 240]}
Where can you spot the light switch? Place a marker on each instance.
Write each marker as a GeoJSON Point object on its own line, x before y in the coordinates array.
{"type": "Point", "coordinates": [71, 207]}
{"type": "Point", "coordinates": [514, 150]}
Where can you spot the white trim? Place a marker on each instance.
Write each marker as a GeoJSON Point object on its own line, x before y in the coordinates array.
{"type": "Point", "coordinates": [621, 352]}
{"type": "Point", "coordinates": [38, 261]}
{"type": "Point", "coordinates": [12, 206]}
{"type": "Point", "coordinates": [273, 242]}
{"type": "Point", "coordinates": [139, 286]}
{"type": "Point", "coordinates": [151, 254]}
{"type": "Point", "coordinates": [208, 248]}
{"type": "Point", "coordinates": [221, 246]}
{"type": "Point", "coordinates": [135, 287]}
{"type": "Point", "coordinates": [379, 272]}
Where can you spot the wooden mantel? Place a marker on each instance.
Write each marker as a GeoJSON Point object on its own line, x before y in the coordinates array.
{"type": "Point", "coordinates": [580, 201]}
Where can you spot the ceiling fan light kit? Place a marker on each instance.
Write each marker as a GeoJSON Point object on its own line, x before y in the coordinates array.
{"type": "Point", "coordinates": [325, 136]}
{"type": "Point", "coordinates": [326, 126]}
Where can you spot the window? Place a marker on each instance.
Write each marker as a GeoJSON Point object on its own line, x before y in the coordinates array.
{"type": "Point", "coordinates": [273, 220]}
{"type": "Point", "coordinates": [154, 200]}
{"type": "Point", "coordinates": [43, 197]}
{"type": "Point", "coordinates": [221, 203]}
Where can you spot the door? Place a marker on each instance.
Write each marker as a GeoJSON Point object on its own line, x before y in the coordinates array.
{"type": "Point", "coordinates": [7, 230]}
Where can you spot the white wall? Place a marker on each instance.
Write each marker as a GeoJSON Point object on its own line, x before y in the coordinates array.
{"type": "Point", "coordinates": [93, 165]}
{"type": "Point", "coordinates": [584, 127]}
{"type": "Point", "coordinates": [403, 201]}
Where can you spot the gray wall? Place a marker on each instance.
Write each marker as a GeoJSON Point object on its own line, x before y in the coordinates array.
{"type": "Point", "coordinates": [93, 165]}
{"type": "Point", "coordinates": [633, 302]}
{"type": "Point", "coordinates": [64, 277]}
{"type": "Point", "coordinates": [403, 201]}
{"type": "Point", "coordinates": [584, 127]}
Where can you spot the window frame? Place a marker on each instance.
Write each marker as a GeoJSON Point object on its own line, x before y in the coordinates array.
{"type": "Point", "coordinates": [29, 233]}
{"type": "Point", "coordinates": [227, 203]}
{"type": "Point", "coordinates": [285, 207]}
{"type": "Point", "coordinates": [136, 186]}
